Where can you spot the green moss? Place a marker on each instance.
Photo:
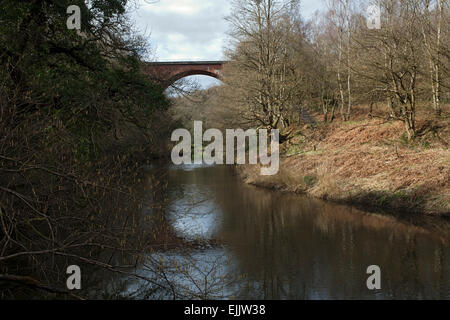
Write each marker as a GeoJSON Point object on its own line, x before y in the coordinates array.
{"type": "Point", "coordinates": [386, 198]}
{"type": "Point", "coordinates": [310, 180]}
{"type": "Point", "coordinates": [404, 139]}
{"type": "Point", "coordinates": [294, 150]}
{"type": "Point", "coordinates": [426, 145]}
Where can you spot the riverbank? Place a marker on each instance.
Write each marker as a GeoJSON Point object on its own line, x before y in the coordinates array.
{"type": "Point", "coordinates": [367, 162]}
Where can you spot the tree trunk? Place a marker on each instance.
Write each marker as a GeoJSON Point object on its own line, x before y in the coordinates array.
{"type": "Point", "coordinates": [341, 90]}
{"type": "Point", "coordinates": [349, 89]}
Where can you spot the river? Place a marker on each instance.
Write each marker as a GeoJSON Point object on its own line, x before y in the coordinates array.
{"type": "Point", "coordinates": [252, 243]}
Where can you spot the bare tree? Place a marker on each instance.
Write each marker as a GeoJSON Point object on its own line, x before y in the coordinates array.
{"type": "Point", "coordinates": [432, 23]}
{"type": "Point", "coordinates": [390, 60]}
{"type": "Point", "coordinates": [263, 66]}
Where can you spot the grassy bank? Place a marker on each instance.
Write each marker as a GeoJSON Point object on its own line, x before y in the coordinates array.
{"type": "Point", "coordinates": [367, 162]}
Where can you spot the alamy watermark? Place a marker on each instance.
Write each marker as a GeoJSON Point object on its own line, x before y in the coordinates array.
{"type": "Point", "coordinates": [236, 140]}
{"type": "Point", "coordinates": [374, 281]}
{"type": "Point", "coordinates": [74, 20]}
{"type": "Point", "coordinates": [74, 280]}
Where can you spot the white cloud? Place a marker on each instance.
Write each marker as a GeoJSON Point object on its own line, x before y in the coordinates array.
{"type": "Point", "coordinates": [185, 29]}
{"type": "Point", "coordinates": [176, 37]}
{"type": "Point", "coordinates": [188, 7]}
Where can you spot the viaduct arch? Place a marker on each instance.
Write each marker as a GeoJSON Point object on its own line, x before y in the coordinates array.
{"type": "Point", "coordinates": [166, 73]}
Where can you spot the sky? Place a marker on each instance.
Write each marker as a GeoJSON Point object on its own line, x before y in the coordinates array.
{"type": "Point", "coordinates": [185, 30]}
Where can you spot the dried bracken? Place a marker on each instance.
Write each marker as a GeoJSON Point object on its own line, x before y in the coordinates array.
{"type": "Point", "coordinates": [367, 162]}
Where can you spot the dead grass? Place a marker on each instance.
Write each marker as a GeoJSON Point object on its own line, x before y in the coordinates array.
{"type": "Point", "coordinates": [327, 183]}
{"type": "Point", "coordinates": [369, 162]}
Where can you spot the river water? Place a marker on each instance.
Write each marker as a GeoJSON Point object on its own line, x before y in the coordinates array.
{"type": "Point", "coordinates": [252, 243]}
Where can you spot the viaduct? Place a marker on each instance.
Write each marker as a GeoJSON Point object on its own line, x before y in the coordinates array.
{"type": "Point", "coordinates": [166, 73]}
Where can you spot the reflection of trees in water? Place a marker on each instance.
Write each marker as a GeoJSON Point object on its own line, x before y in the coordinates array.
{"type": "Point", "coordinates": [109, 267]}
{"type": "Point", "coordinates": [277, 246]}
{"type": "Point", "coordinates": [296, 247]}
{"type": "Point", "coordinates": [440, 275]}
{"type": "Point", "coordinates": [289, 247]}
{"type": "Point", "coordinates": [192, 268]}
{"type": "Point", "coordinates": [186, 274]}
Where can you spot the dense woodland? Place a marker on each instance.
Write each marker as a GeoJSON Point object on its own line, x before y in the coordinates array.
{"type": "Point", "coordinates": [281, 65]}
{"type": "Point", "coordinates": [79, 119]}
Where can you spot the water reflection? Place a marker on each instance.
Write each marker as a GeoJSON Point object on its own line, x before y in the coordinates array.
{"type": "Point", "coordinates": [283, 246]}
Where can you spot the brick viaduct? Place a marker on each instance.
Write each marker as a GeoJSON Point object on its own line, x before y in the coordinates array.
{"type": "Point", "coordinates": [167, 73]}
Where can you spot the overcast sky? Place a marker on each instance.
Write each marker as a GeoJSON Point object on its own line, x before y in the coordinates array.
{"type": "Point", "coordinates": [191, 29]}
